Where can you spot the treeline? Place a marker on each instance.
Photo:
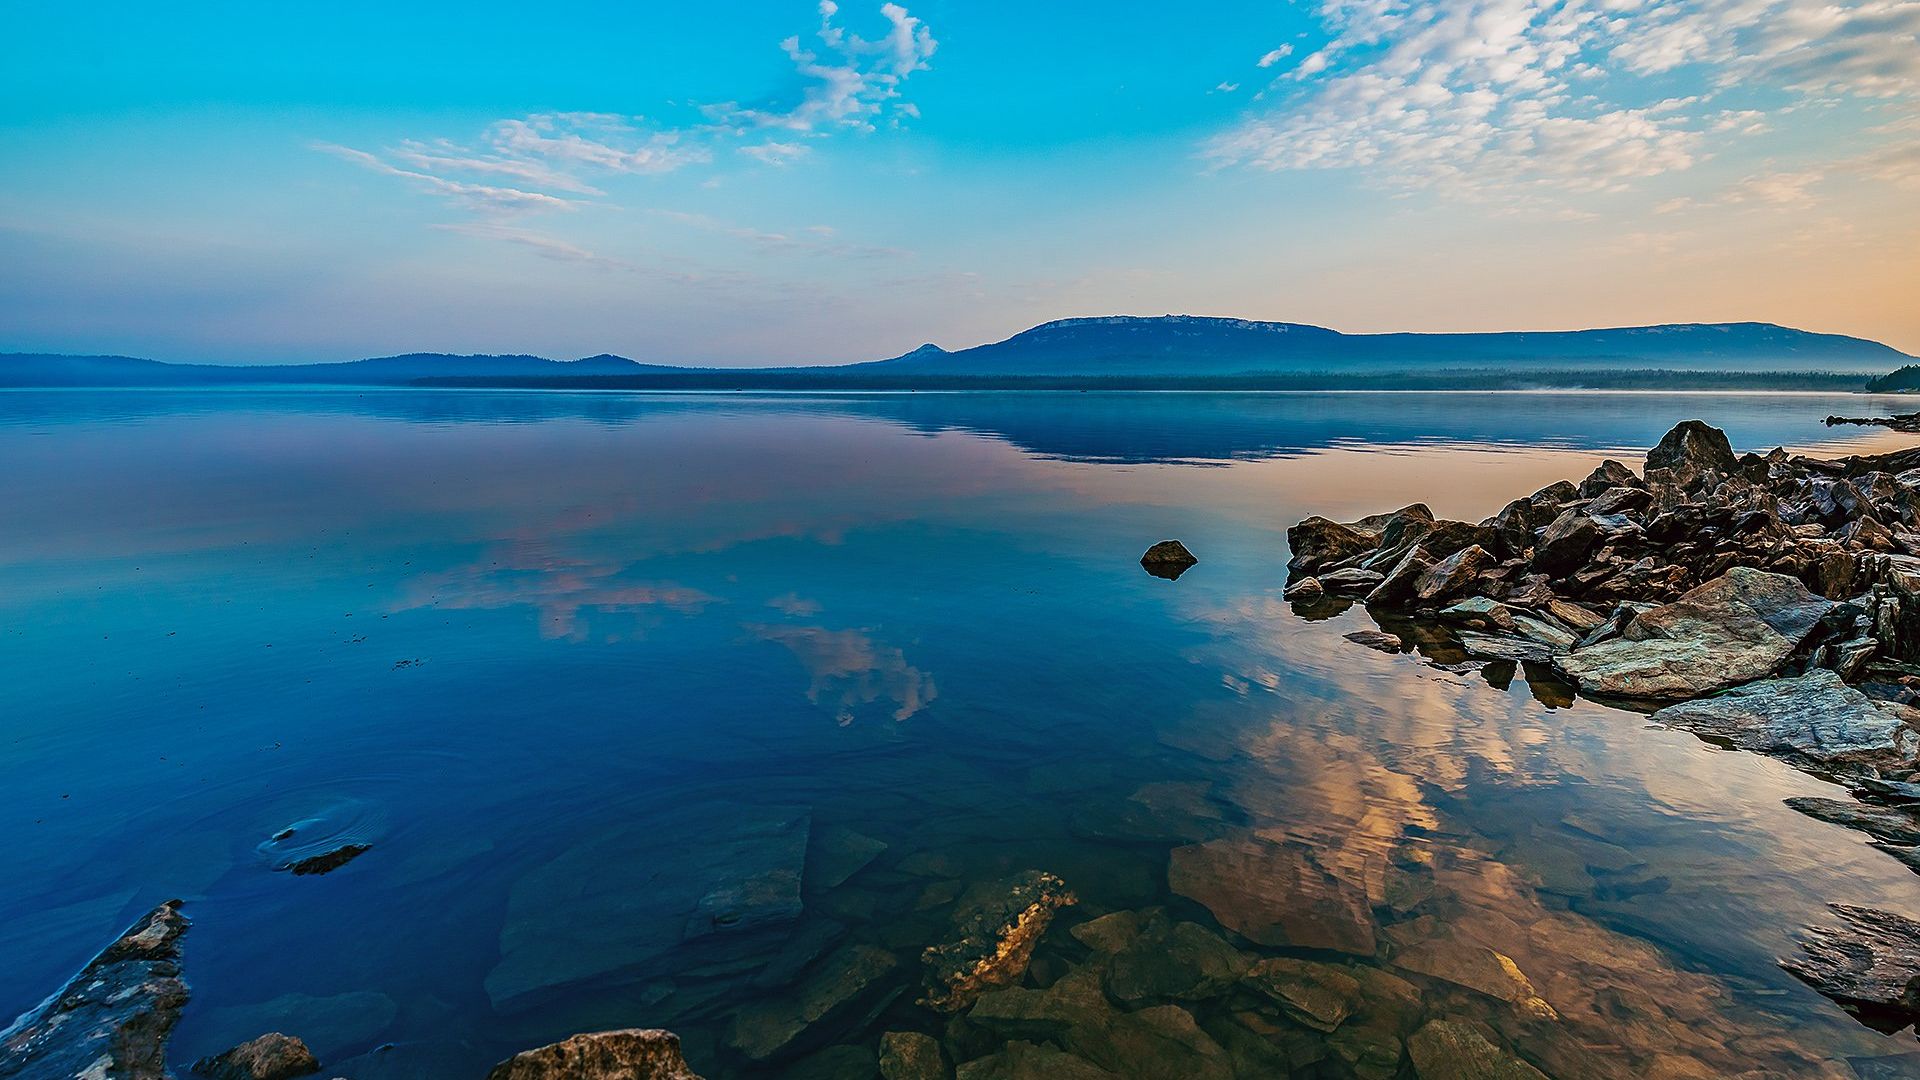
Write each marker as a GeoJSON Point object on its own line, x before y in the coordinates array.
{"type": "Point", "coordinates": [797, 379]}
{"type": "Point", "coordinates": [1898, 381]}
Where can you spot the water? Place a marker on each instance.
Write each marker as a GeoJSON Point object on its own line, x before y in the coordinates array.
{"type": "Point", "coordinates": [575, 665]}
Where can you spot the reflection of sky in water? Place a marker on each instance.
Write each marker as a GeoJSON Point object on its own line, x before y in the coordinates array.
{"type": "Point", "coordinates": [919, 615]}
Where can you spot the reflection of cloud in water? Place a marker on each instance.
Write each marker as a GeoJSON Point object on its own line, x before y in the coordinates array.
{"type": "Point", "coordinates": [850, 669]}
{"type": "Point", "coordinates": [561, 589]}
{"type": "Point", "coordinates": [795, 605]}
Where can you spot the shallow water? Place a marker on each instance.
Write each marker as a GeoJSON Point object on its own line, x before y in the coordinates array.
{"type": "Point", "coordinates": [575, 665]}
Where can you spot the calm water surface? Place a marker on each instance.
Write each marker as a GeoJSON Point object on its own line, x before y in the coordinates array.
{"type": "Point", "coordinates": [573, 665]}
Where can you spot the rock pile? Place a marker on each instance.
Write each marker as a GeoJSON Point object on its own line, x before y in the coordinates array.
{"type": "Point", "coordinates": [1767, 602]}
{"type": "Point", "coordinates": [1709, 571]}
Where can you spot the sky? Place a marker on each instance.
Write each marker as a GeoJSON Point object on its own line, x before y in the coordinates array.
{"type": "Point", "coordinates": [782, 182]}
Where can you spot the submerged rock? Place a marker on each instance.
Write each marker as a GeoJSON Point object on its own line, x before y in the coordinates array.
{"type": "Point", "coordinates": [1734, 629]}
{"type": "Point", "coordinates": [1179, 960]}
{"type": "Point", "coordinates": [327, 861]}
{"type": "Point", "coordinates": [1273, 894]}
{"type": "Point", "coordinates": [911, 1055]}
{"type": "Point", "coordinates": [1449, 1050]}
{"type": "Point", "coordinates": [1168, 559]}
{"type": "Point", "coordinates": [1870, 965]}
{"type": "Point", "coordinates": [839, 988]}
{"type": "Point", "coordinates": [1320, 996]}
{"type": "Point", "coordinates": [112, 1020]}
{"type": "Point", "coordinates": [1477, 968]}
{"type": "Point", "coordinates": [1030, 1061]}
{"type": "Point", "coordinates": [1816, 716]}
{"type": "Point", "coordinates": [999, 924]}
{"type": "Point", "coordinates": [633, 1054]}
{"type": "Point", "coordinates": [272, 1056]}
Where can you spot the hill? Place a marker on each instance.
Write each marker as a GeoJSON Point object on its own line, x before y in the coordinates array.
{"type": "Point", "coordinates": [52, 369]}
{"type": "Point", "coordinates": [1188, 345]}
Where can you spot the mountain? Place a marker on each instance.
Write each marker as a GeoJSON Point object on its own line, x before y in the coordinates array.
{"type": "Point", "coordinates": [1121, 352]}
{"type": "Point", "coordinates": [1190, 345]}
{"type": "Point", "coordinates": [49, 369]}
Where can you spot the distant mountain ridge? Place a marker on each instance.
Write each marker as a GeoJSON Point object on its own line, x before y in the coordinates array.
{"type": "Point", "coordinates": [1191, 345]}
{"type": "Point", "coordinates": [1130, 349]}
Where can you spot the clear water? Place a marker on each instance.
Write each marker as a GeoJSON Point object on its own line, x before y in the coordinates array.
{"type": "Point", "coordinates": [559, 659]}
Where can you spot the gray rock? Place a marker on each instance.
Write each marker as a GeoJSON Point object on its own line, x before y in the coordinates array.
{"type": "Point", "coordinates": [1891, 824]}
{"type": "Point", "coordinates": [1734, 629]}
{"type": "Point", "coordinates": [1693, 448]}
{"type": "Point", "coordinates": [633, 1054]}
{"type": "Point", "coordinates": [1453, 575]}
{"type": "Point", "coordinates": [1479, 612]}
{"type": "Point", "coordinates": [1318, 542]}
{"type": "Point", "coordinates": [273, 1056]}
{"type": "Point", "coordinates": [842, 984]}
{"type": "Point", "coordinates": [1566, 543]}
{"type": "Point", "coordinates": [1351, 580]}
{"type": "Point", "coordinates": [113, 1019]}
{"type": "Point", "coordinates": [1870, 965]}
{"type": "Point", "coordinates": [1503, 647]}
{"type": "Point", "coordinates": [1397, 586]}
{"type": "Point", "coordinates": [1305, 591]}
{"type": "Point", "coordinates": [1378, 640]}
{"type": "Point", "coordinates": [1816, 716]}
{"type": "Point", "coordinates": [1168, 559]}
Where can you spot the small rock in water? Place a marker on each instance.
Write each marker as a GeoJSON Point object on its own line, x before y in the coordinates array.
{"type": "Point", "coordinates": [272, 1056]}
{"type": "Point", "coordinates": [1378, 640]}
{"type": "Point", "coordinates": [1306, 590]}
{"type": "Point", "coordinates": [327, 861]}
{"type": "Point", "coordinates": [1168, 559]}
{"type": "Point", "coordinates": [113, 1019]}
{"type": "Point", "coordinates": [633, 1054]}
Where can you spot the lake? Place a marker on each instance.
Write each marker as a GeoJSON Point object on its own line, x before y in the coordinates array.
{"type": "Point", "coordinates": [710, 712]}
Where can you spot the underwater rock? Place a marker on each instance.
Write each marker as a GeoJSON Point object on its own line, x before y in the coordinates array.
{"type": "Point", "coordinates": [1179, 960]}
{"type": "Point", "coordinates": [351, 1020]}
{"type": "Point", "coordinates": [999, 924]}
{"type": "Point", "coordinates": [1448, 1050]}
{"type": "Point", "coordinates": [1028, 1061]}
{"type": "Point", "coordinates": [327, 861]}
{"type": "Point", "coordinates": [838, 853]}
{"type": "Point", "coordinates": [632, 1054]}
{"type": "Point", "coordinates": [113, 1019]}
{"type": "Point", "coordinates": [272, 1056]}
{"type": "Point", "coordinates": [911, 1055]}
{"type": "Point", "coordinates": [1168, 559]}
{"type": "Point", "coordinates": [1477, 968]}
{"type": "Point", "coordinates": [1273, 894]}
{"type": "Point", "coordinates": [1870, 965]}
{"type": "Point", "coordinates": [1320, 996]}
{"type": "Point", "coordinates": [840, 987]}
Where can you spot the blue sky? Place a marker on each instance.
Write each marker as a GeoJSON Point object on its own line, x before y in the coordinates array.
{"type": "Point", "coordinates": [779, 182]}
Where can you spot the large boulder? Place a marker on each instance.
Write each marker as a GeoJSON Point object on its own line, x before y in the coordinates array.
{"type": "Point", "coordinates": [1815, 716]}
{"type": "Point", "coordinates": [1693, 452]}
{"type": "Point", "coordinates": [632, 1054]}
{"type": "Point", "coordinates": [1739, 627]}
{"type": "Point", "coordinates": [113, 1019]}
{"type": "Point", "coordinates": [1453, 575]}
{"type": "Point", "coordinates": [1566, 543]}
{"type": "Point", "coordinates": [1319, 542]}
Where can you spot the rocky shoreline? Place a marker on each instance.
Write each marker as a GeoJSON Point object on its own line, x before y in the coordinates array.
{"type": "Point", "coordinates": [1765, 602]}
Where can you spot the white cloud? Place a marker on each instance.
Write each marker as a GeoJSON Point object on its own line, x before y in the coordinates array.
{"type": "Point", "coordinates": [519, 164]}
{"type": "Point", "coordinates": [1274, 56]}
{"type": "Point", "coordinates": [1493, 95]}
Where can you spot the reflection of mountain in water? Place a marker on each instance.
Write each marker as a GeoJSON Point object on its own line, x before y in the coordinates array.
{"type": "Point", "coordinates": [1113, 427]}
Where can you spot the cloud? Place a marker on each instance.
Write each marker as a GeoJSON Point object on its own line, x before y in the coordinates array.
{"type": "Point", "coordinates": [558, 160]}
{"type": "Point", "coordinates": [850, 81]}
{"type": "Point", "coordinates": [1492, 95]}
{"type": "Point", "coordinates": [483, 198]}
{"type": "Point", "coordinates": [1274, 56]}
{"type": "Point", "coordinates": [784, 242]}
{"type": "Point", "coordinates": [850, 671]}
